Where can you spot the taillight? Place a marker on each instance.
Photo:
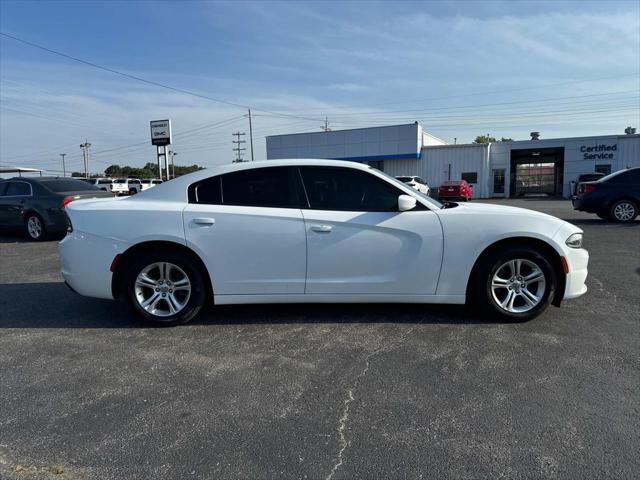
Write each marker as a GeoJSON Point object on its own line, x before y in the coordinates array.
{"type": "Point", "coordinates": [66, 201]}
{"type": "Point", "coordinates": [589, 188]}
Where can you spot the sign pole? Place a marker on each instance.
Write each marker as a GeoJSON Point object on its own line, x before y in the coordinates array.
{"type": "Point", "coordinates": [159, 149]}
{"type": "Point", "coordinates": [161, 138]}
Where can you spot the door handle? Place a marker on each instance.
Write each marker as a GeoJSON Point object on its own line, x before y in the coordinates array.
{"type": "Point", "coordinates": [321, 228]}
{"type": "Point", "coordinates": [204, 221]}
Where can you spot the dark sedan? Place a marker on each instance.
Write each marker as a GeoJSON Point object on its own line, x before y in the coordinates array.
{"type": "Point", "coordinates": [614, 197]}
{"type": "Point", "coordinates": [36, 205]}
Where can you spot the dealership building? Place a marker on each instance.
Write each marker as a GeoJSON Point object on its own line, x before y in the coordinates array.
{"type": "Point", "coordinates": [499, 169]}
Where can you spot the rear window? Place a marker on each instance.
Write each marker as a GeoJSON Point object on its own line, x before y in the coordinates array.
{"type": "Point", "coordinates": [145, 181]}
{"type": "Point", "coordinates": [67, 185]}
{"type": "Point", "coordinates": [103, 182]}
{"type": "Point", "coordinates": [405, 179]}
{"type": "Point", "coordinates": [452, 183]}
{"type": "Point", "coordinates": [120, 180]}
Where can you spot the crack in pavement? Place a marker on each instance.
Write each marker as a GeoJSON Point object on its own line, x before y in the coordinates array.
{"type": "Point", "coordinates": [342, 423]}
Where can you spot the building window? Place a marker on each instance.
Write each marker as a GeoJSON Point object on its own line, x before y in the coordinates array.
{"type": "Point", "coordinates": [470, 177]}
{"type": "Point", "coordinates": [606, 169]}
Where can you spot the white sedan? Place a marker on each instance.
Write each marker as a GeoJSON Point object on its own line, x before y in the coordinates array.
{"type": "Point", "coordinates": [294, 231]}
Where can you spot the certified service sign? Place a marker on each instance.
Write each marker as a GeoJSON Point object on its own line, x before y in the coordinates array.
{"type": "Point", "coordinates": [161, 132]}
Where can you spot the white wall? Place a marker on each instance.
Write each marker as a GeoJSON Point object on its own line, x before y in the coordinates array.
{"type": "Point", "coordinates": [359, 143]}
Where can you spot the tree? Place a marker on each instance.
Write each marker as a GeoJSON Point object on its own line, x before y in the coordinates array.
{"type": "Point", "coordinates": [112, 171]}
{"type": "Point", "coordinates": [488, 139]}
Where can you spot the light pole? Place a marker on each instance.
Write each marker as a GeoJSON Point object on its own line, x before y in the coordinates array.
{"type": "Point", "coordinates": [173, 167]}
{"type": "Point", "coordinates": [64, 169]}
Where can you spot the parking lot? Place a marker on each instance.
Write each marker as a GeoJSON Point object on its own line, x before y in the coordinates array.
{"type": "Point", "coordinates": [322, 391]}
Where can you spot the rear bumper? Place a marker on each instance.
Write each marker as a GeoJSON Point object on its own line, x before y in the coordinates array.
{"type": "Point", "coordinates": [85, 262]}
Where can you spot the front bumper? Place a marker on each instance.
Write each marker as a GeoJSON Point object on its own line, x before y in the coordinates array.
{"type": "Point", "coordinates": [577, 260]}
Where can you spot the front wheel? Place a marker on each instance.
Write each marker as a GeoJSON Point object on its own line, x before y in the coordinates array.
{"type": "Point", "coordinates": [624, 211]}
{"type": "Point", "coordinates": [165, 288]}
{"type": "Point", "coordinates": [515, 284]}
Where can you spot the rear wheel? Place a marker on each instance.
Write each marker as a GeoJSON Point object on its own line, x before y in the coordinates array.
{"type": "Point", "coordinates": [165, 288]}
{"type": "Point", "coordinates": [624, 211]}
{"type": "Point", "coordinates": [515, 284]}
{"type": "Point", "coordinates": [34, 227]}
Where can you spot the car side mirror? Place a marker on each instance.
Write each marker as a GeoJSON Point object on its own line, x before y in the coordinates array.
{"type": "Point", "coordinates": [406, 202]}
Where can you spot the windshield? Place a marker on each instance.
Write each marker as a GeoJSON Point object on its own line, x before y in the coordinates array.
{"type": "Point", "coordinates": [430, 201]}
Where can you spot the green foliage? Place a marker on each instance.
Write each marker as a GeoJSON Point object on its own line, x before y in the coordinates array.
{"type": "Point", "coordinates": [488, 139]}
{"type": "Point", "coordinates": [150, 170]}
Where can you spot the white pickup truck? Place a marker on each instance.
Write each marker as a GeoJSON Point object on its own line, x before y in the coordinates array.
{"type": "Point", "coordinates": [149, 182]}
{"type": "Point", "coordinates": [126, 186]}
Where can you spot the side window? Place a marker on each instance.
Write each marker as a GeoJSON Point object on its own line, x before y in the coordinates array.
{"type": "Point", "coordinates": [260, 187]}
{"type": "Point", "coordinates": [207, 191]}
{"type": "Point", "coordinates": [331, 188]}
{"type": "Point", "coordinates": [18, 188]}
{"type": "Point", "coordinates": [630, 178]}
{"type": "Point", "coordinates": [3, 188]}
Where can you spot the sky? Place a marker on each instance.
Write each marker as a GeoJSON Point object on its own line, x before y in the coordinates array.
{"type": "Point", "coordinates": [459, 68]}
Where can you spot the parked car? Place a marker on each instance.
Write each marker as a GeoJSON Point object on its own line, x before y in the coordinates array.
{"type": "Point", "coordinates": [147, 183]}
{"type": "Point", "coordinates": [101, 183]}
{"type": "Point", "coordinates": [614, 197]}
{"type": "Point", "coordinates": [415, 182]}
{"type": "Point", "coordinates": [455, 189]}
{"type": "Point", "coordinates": [126, 186]}
{"type": "Point", "coordinates": [36, 205]}
{"type": "Point", "coordinates": [309, 231]}
{"type": "Point", "coordinates": [585, 177]}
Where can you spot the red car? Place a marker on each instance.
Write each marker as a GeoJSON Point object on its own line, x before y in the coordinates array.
{"type": "Point", "coordinates": [455, 189]}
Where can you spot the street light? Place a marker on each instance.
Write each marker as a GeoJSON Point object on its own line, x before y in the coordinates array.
{"type": "Point", "coordinates": [64, 169]}
{"type": "Point", "coordinates": [173, 167]}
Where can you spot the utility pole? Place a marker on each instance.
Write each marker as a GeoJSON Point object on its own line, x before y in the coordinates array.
{"type": "Point", "coordinates": [237, 148]}
{"type": "Point", "coordinates": [173, 167]}
{"type": "Point", "coordinates": [85, 157]}
{"type": "Point", "coordinates": [64, 169]}
{"type": "Point", "coordinates": [325, 127]}
{"type": "Point", "coordinates": [251, 134]}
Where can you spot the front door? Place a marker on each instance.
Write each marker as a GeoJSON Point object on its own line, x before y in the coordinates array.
{"type": "Point", "coordinates": [248, 229]}
{"type": "Point", "coordinates": [359, 243]}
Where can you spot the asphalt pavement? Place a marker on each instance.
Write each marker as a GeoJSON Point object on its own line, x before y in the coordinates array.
{"type": "Point", "coordinates": [321, 391]}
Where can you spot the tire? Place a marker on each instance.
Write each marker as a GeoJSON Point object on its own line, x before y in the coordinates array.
{"type": "Point", "coordinates": [623, 211]}
{"type": "Point", "coordinates": [495, 283]}
{"type": "Point", "coordinates": [34, 227]}
{"type": "Point", "coordinates": [150, 291]}
{"type": "Point", "coordinates": [132, 191]}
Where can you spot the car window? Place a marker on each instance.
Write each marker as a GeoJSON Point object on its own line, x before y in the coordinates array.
{"type": "Point", "coordinates": [260, 187]}
{"type": "Point", "coordinates": [3, 188]}
{"type": "Point", "coordinates": [145, 182]}
{"type": "Point", "coordinates": [628, 177]}
{"type": "Point", "coordinates": [67, 185]}
{"type": "Point", "coordinates": [103, 182]}
{"type": "Point", "coordinates": [331, 188]}
{"type": "Point", "coordinates": [120, 180]}
{"type": "Point", "coordinates": [18, 188]}
{"type": "Point", "coordinates": [207, 191]}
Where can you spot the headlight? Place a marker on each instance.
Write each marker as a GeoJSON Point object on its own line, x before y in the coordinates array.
{"type": "Point", "coordinates": [574, 241]}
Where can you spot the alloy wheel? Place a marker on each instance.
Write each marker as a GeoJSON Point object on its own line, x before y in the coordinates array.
{"type": "Point", "coordinates": [162, 289]}
{"type": "Point", "coordinates": [518, 285]}
{"type": "Point", "coordinates": [34, 227]}
{"type": "Point", "coordinates": [624, 211]}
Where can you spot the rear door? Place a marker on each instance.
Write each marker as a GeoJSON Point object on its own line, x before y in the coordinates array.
{"type": "Point", "coordinates": [247, 227]}
{"type": "Point", "coordinates": [359, 243]}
